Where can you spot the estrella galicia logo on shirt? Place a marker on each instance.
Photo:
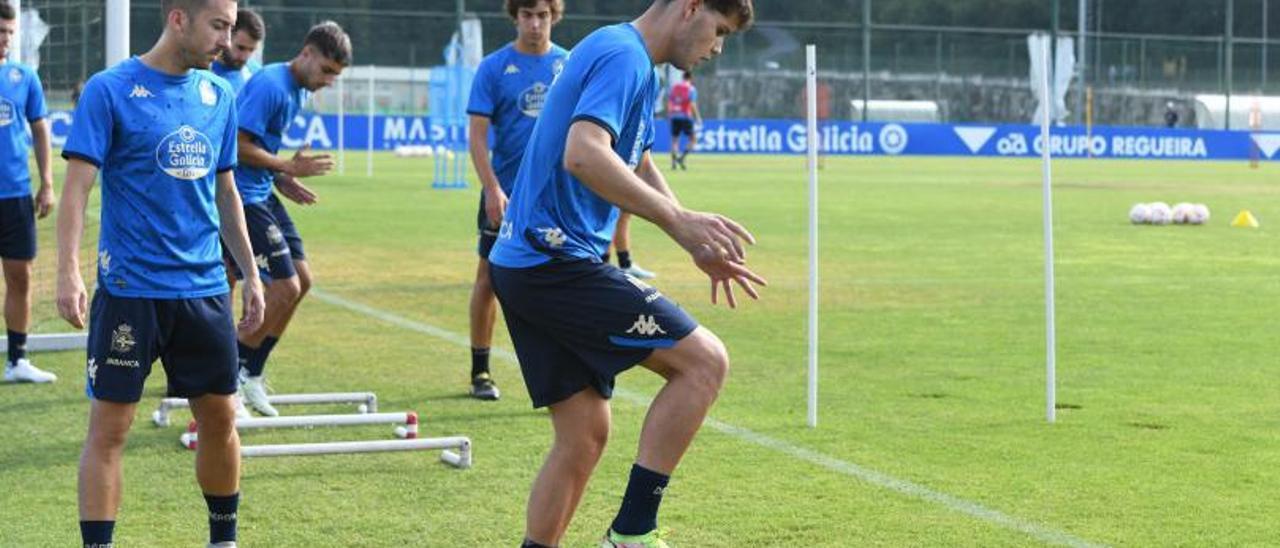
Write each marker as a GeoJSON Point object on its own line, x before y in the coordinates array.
{"type": "Point", "coordinates": [185, 154]}
{"type": "Point", "coordinates": [532, 99]}
{"type": "Point", "coordinates": [8, 112]}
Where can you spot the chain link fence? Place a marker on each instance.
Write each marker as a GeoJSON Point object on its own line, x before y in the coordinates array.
{"type": "Point", "coordinates": [972, 74]}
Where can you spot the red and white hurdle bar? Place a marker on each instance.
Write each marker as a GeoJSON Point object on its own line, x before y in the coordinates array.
{"type": "Point", "coordinates": [408, 432]}
{"type": "Point", "coordinates": [368, 403]}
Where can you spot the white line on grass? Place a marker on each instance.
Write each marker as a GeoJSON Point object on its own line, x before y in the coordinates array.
{"type": "Point", "coordinates": [868, 475]}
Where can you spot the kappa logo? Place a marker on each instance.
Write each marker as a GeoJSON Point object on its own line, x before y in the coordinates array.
{"type": "Point", "coordinates": [512, 69]}
{"type": "Point", "coordinates": [122, 340]}
{"type": "Point", "coordinates": [92, 369]}
{"type": "Point", "coordinates": [140, 92]}
{"type": "Point", "coordinates": [554, 237]}
{"type": "Point", "coordinates": [104, 261]}
{"type": "Point", "coordinates": [647, 326]}
{"type": "Point", "coordinates": [207, 95]}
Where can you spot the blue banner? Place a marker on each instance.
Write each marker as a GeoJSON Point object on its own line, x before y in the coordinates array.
{"type": "Point", "coordinates": [836, 138]}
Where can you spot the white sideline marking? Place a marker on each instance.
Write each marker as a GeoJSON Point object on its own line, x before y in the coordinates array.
{"type": "Point", "coordinates": [915, 490]}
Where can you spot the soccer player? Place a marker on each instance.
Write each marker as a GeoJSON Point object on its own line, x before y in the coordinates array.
{"type": "Point", "coordinates": [577, 323]}
{"type": "Point", "coordinates": [267, 105]}
{"type": "Point", "coordinates": [236, 64]}
{"type": "Point", "coordinates": [682, 109]}
{"type": "Point", "coordinates": [163, 136]}
{"type": "Point", "coordinates": [21, 100]}
{"type": "Point", "coordinates": [507, 95]}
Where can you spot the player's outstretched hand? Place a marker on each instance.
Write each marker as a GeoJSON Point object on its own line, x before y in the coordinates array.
{"type": "Point", "coordinates": [716, 244]}
{"type": "Point", "coordinates": [310, 165]}
{"type": "Point", "coordinates": [44, 201]}
{"type": "Point", "coordinates": [495, 204]}
{"type": "Point", "coordinates": [254, 308]}
{"type": "Point", "coordinates": [294, 190]}
{"type": "Point", "coordinates": [73, 300]}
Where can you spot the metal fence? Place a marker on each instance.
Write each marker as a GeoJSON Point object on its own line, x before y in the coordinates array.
{"type": "Point", "coordinates": [974, 74]}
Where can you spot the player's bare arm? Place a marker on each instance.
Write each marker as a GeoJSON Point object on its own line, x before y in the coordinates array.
{"type": "Point", "coordinates": [714, 241]}
{"type": "Point", "coordinates": [73, 300]}
{"type": "Point", "coordinates": [300, 165]}
{"type": "Point", "coordinates": [495, 200]}
{"type": "Point", "coordinates": [236, 238]}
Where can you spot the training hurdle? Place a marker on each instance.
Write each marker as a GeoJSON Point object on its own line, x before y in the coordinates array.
{"type": "Point", "coordinates": [408, 421]}
{"type": "Point", "coordinates": [368, 403]}
{"type": "Point", "coordinates": [459, 459]}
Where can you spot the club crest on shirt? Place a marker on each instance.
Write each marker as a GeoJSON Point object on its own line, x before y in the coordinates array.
{"type": "Point", "coordinates": [15, 75]}
{"type": "Point", "coordinates": [207, 95]}
{"type": "Point", "coordinates": [185, 154]}
{"type": "Point", "coordinates": [8, 112]}
{"type": "Point", "coordinates": [533, 99]}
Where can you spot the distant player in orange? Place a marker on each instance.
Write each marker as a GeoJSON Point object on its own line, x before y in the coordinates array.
{"type": "Point", "coordinates": [682, 110]}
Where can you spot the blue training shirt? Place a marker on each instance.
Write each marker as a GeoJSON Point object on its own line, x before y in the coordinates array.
{"type": "Point", "coordinates": [266, 105]}
{"type": "Point", "coordinates": [21, 101]}
{"type": "Point", "coordinates": [608, 80]}
{"type": "Point", "coordinates": [510, 88]}
{"type": "Point", "coordinates": [236, 77]}
{"type": "Point", "coordinates": [158, 140]}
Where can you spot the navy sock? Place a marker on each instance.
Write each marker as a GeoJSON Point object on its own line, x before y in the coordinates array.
{"type": "Point", "coordinates": [479, 361]}
{"type": "Point", "coordinates": [17, 346]}
{"type": "Point", "coordinates": [639, 512]}
{"type": "Point", "coordinates": [222, 517]}
{"type": "Point", "coordinates": [624, 259]}
{"type": "Point", "coordinates": [97, 534]}
{"type": "Point", "coordinates": [531, 544]}
{"type": "Point", "coordinates": [257, 361]}
{"type": "Point", "coordinates": [246, 355]}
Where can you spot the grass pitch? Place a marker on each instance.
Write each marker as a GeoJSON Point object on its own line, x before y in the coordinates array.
{"type": "Point", "coordinates": [932, 386]}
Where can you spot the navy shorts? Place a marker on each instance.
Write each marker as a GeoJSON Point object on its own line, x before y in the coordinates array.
{"type": "Point", "coordinates": [273, 237]}
{"type": "Point", "coordinates": [18, 228]}
{"type": "Point", "coordinates": [195, 340]}
{"type": "Point", "coordinates": [579, 324]}
{"type": "Point", "coordinates": [681, 126]}
{"type": "Point", "coordinates": [488, 232]}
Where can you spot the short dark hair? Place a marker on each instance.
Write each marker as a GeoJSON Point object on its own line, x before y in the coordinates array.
{"type": "Point", "coordinates": [741, 10]}
{"type": "Point", "coordinates": [249, 22]}
{"type": "Point", "coordinates": [6, 11]}
{"type": "Point", "coordinates": [688, 75]}
{"type": "Point", "coordinates": [187, 6]}
{"type": "Point", "coordinates": [331, 41]}
{"type": "Point", "coordinates": [513, 7]}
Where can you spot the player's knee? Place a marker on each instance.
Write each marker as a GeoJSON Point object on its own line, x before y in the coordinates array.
{"type": "Point", "coordinates": [285, 291]}
{"type": "Point", "coordinates": [108, 437]}
{"type": "Point", "coordinates": [304, 283]}
{"type": "Point", "coordinates": [590, 443]}
{"type": "Point", "coordinates": [711, 363]}
{"type": "Point", "coordinates": [220, 426]}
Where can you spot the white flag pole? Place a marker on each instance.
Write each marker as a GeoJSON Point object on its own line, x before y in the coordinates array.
{"type": "Point", "coordinates": [369, 159]}
{"type": "Point", "coordinates": [811, 70]}
{"type": "Point", "coordinates": [1047, 175]}
{"type": "Point", "coordinates": [342, 126]}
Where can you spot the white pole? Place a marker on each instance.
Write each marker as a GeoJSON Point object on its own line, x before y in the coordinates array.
{"type": "Point", "coordinates": [117, 31]}
{"type": "Point", "coordinates": [342, 126]}
{"type": "Point", "coordinates": [811, 69]}
{"type": "Point", "coordinates": [369, 160]}
{"type": "Point", "coordinates": [1049, 312]}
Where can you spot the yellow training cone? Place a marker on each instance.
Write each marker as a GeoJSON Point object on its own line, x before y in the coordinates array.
{"type": "Point", "coordinates": [1244, 219]}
